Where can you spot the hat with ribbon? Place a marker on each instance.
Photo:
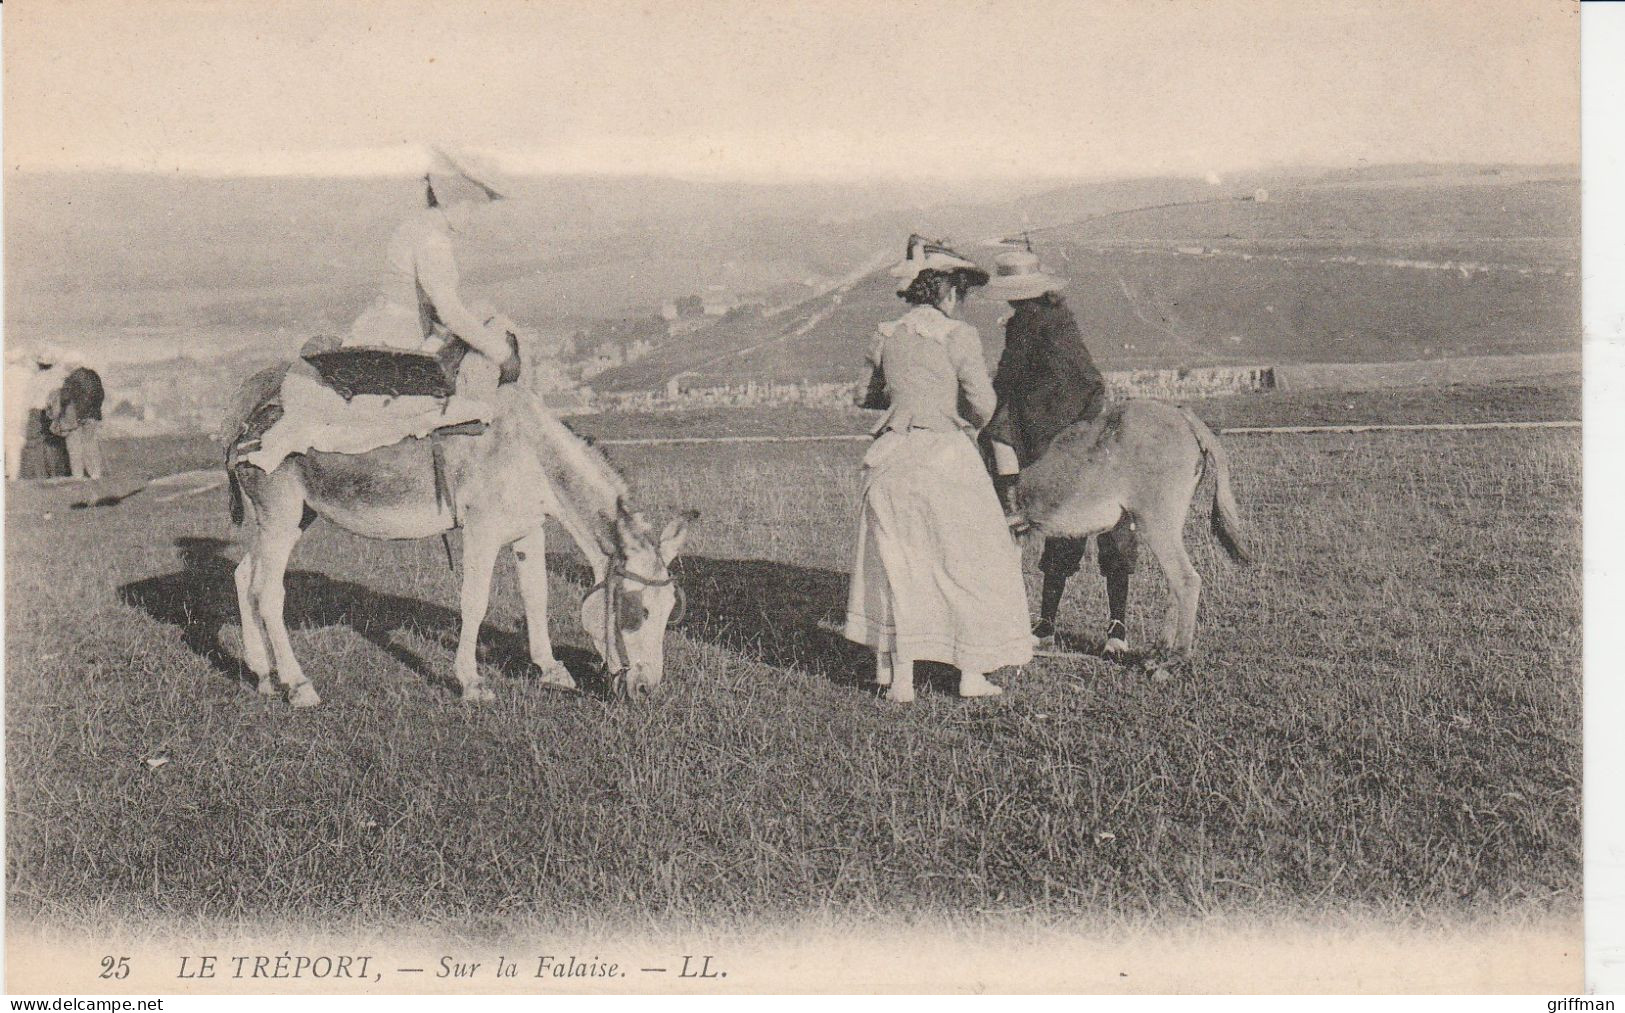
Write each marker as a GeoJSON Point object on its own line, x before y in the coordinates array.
{"type": "Point", "coordinates": [924, 255]}
{"type": "Point", "coordinates": [1018, 275]}
{"type": "Point", "coordinates": [460, 177]}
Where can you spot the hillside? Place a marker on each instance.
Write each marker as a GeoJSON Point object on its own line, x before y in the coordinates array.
{"type": "Point", "coordinates": [132, 266]}
{"type": "Point", "coordinates": [1334, 268]}
{"type": "Point", "coordinates": [178, 287]}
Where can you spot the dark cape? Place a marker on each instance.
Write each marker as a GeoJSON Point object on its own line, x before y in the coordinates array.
{"type": "Point", "coordinates": [1046, 379]}
{"type": "Point", "coordinates": [82, 390]}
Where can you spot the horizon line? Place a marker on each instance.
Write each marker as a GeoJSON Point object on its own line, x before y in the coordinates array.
{"type": "Point", "coordinates": [796, 178]}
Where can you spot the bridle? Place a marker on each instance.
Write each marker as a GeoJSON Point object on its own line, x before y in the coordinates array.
{"type": "Point", "coordinates": [616, 577]}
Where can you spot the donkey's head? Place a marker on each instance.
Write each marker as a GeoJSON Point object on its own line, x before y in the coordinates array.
{"type": "Point", "coordinates": [627, 612]}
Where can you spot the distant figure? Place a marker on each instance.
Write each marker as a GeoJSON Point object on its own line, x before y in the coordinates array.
{"type": "Point", "coordinates": [43, 453]}
{"type": "Point", "coordinates": [417, 310]}
{"type": "Point", "coordinates": [1046, 382]}
{"type": "Point", "coordinates": [19, 381]}
{"type": "Point", "coordinates": [79, 421]}
{"type": "Point", "coordinates": [937, 576]}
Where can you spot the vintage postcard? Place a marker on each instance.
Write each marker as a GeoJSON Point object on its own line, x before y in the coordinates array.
{"type": "Point", "coordinates": [545, 497]}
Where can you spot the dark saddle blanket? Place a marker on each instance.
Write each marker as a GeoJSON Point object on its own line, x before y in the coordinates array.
{"type": "Point", "coordinates": [390, 372]}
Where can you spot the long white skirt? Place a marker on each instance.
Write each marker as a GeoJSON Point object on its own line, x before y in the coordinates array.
{"type": "Point", "coordinates": [937, 576]}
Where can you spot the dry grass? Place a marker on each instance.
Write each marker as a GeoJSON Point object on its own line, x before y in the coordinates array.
{"type": "Point", "coordinates": [1386, 721]}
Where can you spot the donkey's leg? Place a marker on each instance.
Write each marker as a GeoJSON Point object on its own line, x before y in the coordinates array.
{"type": "Point", "coordinates": [255, 653]}
{"type": "Point", "coordinates": [277, 537]}
{"type": "Point", "coordinates": [530, 558]}
{"type": "Point", "coordinates": [883, 668]}
{"type": "Point", "coordinates": [1164, 535]}
{"type": "Point", "coordinates": [479, 561]}
{"type": "Point", "coordinates": [902, 678]}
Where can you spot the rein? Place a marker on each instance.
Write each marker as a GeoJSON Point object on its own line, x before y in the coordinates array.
{"type": "Point", "coordinates": [614, 587]}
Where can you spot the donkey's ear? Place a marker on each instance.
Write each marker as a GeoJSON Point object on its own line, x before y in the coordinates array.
{"type": "Point", "coordinates": [676, 533]}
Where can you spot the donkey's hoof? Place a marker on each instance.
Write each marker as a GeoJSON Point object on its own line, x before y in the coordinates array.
{"type": "Point", "coordinates": [1166, 669]}
{"type": "Point", "coordinates": [976, 687]}
{"type": "Point", "coordinates": [303, 695]}
{"type": "Point", "coordinates": [899, 694]}
{"type": "Point", "coordinates": [478, 694]}
{"type": "Point", "coordinates": [556, 676]}
{"type": "Point", "coordinates": [266, 686]}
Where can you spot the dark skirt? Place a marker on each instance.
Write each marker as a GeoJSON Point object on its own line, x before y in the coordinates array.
{"type": "Point", "coordinates": [45, 454]}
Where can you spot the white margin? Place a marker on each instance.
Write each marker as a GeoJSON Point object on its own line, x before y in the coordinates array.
{"type": "Point", "coordinates": [1602, 173]}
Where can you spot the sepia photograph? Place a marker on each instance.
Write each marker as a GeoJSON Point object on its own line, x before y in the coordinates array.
{"type": "Point", "coordinates": [544, 497]}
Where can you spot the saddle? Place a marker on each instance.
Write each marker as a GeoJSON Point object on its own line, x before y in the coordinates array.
{"type": "Point", "coordinates": [389, 372]}
{"type": "Point", "coordinates": [395, 372]}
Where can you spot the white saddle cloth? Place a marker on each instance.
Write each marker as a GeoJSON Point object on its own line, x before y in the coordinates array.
{"type": "Point", "coordinates": [315, 417]}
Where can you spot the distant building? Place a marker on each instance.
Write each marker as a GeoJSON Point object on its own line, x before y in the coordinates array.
{"type": "Point", "coordinates": [686, 325]}
{"type": "Point", "coordinates": [674, 386]}
{"type": "Point", "coordinates": [717, 304]}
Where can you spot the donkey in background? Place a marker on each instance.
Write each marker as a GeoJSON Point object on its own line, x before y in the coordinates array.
{"type": "Point", "coordinates": [1140, 461]}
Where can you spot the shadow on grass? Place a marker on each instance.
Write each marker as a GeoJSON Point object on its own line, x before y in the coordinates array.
{"type": "Point", "coordinates": [201, 599]}
{"type": "Point", "coordinates": [779, 614]}
{"type": "Point", "coordinates": [790, 617]}
{"type": "Point", "coordinates": [782, 615]}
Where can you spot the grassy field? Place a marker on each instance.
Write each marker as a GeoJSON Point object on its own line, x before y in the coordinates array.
{"type": "Point", "coordinates": [1385, 719]}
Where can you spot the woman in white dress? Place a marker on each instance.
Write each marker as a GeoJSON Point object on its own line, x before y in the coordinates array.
{"type": "Point", "coordinates": [418, 306]}
{"type": "Point", "coordinates": [937, 576]}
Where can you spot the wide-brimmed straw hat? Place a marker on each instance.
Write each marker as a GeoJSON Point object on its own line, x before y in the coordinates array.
{"type": "Point", "coordinates": [51, 353]}
{"type": "Point", "coordinates": [924, 255]}
{"type": "Point", "coordinates": [1018, 275]}
{"type": "Point", "coordinates": [461, 177]}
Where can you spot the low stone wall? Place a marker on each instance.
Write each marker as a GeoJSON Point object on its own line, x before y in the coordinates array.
{"type": "Point", "coordinates": [1206, 381]}
{"type": "Point", "coordinates": [1427, 372]}
{"type": "Point", "coordinates": [823, 395]}
{"type": "Point", "coordinates": [1159, 383]}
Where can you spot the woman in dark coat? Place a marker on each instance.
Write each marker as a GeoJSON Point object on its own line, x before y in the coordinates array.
{"type": "Point", "coordinates": [1046, 382]}
{"type": "Point", "coordinates": [79, 421]}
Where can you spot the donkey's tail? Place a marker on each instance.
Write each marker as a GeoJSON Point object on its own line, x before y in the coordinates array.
{"type": "Point", "coordinates": [1227, 524]}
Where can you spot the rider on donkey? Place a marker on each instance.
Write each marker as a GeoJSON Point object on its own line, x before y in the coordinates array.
{"type": "Point", "coordinates": [417, 310]}
{"type": "Point", "coordinates": [1046, 381]}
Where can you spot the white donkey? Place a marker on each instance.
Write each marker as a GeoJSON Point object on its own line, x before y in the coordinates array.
{"type": "Point", "coordinates": [499, 487]}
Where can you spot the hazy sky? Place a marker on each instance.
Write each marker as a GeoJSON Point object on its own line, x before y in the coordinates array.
{"type": "Point", "coordinates": [757, 88]}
